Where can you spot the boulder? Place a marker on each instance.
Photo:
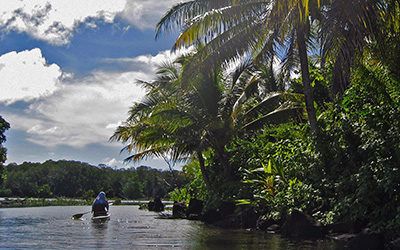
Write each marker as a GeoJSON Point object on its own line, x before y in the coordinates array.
{"type": "Point", "coordinates": [301, 225]}
{"type": "Point", "coordinates": [248, 216]}
{"type": "Point", "coordinates": [395, 244]}
{"type": "Point", "coordinates": [211, 216]}
{"type": "Point", "coordinates": [227, 208]}
{"type": "Point", "coordinates": [195, 208]}
{"type": "Point", "coordinates": [263, 223]}
{"type": "Point", "coordinates": [273, 228]}
{"type": "Point", "coordinates": [352, 227]}
{"type": "Point", "coordinates": [150, 206]}
{"type": "Point", "coordinates": [156, 205]}
{"type": "Point", "coordinates": [365, 240]}
{"type": "Point", "coordinates": [178, 210]}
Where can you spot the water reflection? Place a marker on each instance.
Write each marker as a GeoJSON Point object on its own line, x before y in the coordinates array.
{"type": "Point", "coordinates": [99, 232]}
{"type": "Point", "coordinates": [128, 228]}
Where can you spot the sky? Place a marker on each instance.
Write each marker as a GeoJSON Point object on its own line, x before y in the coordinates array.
{"type": "Point", "coordinates": [68, 72]}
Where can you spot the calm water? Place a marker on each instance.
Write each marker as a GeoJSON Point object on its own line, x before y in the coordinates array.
{"type": "Point", "coordinates": [129, 228]}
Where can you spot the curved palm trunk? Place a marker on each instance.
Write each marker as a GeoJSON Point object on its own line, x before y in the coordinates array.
{"type": "Point", "coordinates": [203, 169]}
{"type": "Point", "coordinates": [305, 74]}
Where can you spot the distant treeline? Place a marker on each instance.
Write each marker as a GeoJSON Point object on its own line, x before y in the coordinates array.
{"type": "Point", "coordinates": [80, 180]}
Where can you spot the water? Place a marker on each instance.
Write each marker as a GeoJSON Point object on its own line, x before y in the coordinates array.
{"type": "Point", "coordinates": [128, 228]}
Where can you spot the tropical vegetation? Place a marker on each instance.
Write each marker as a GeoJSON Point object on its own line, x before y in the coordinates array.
{"type": "Point", "coordinates": [280, 105]}
{"type": "Point", "coordinates": [72, 179]}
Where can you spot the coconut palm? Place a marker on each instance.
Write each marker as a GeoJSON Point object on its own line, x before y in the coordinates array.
{"type": "Point", "coordinates": [348, 27]}
{"type": "Point", "coordinates": [235, 28]}
{"type": "Point", "coordinates": [186, 121]}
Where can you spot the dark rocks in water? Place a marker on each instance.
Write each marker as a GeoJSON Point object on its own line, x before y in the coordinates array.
{"type": "Point", "coordinates": [395, 244]}
{"type": "Point", "coordinates": [211, 216]}
{"type": "Point", "coordinates": [274, 228]}
{"type": "Point", "coordinates": [195, 208]}
{"type": "Point", "coordinates": [150, 206]}
{"type": "Point", "coordinates": [263, 223]}
{"type": "Point", "coordinates": [248, 216]}
{"type": "Point", "coordinates": [144, 206]}
{"type": "Point", "coordinates": [178, 210]}
{"type": "Point", "coordinates": [301, 225]}
{"type": "Point", "coordinates": [227, 208]}
{"type": "Point", "coordinates": [194, 217]}
{"type": "Point", "coordinates": [156, 205]}
{"type": "Point", "coordinates": [346, 227]}
{"type": "Point", "coordinates": [241, 217]}
{"type": "Point", "coordinates": [365, 240]}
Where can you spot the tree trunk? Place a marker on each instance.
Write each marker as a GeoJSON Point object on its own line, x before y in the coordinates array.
{"type": "Point", "coordinates": [305, 74]}
{"type": "Point", "coordinates": [203, 168]}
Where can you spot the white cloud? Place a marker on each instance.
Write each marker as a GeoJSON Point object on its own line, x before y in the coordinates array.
{"type": "Point", "coordinates": [112, 162]}
{"type": "Point", "coordinates": [25, 76]}
{"type": "Point", "coordinates": [85, 111]}
{"type": "Point", "coordinates": [55, 20]}
{"type": "Point", "coordinates": [146, 13]}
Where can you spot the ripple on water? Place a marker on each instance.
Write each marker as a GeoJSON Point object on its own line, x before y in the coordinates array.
{"type": "Point", "coordinates": [129, 228]}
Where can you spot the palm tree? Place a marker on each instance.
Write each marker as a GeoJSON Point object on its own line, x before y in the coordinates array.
{"type": "Point", "coordinates": [348, 27]}
{"type": "Point", "coordinates": [186, 121]}
{"type": "Point", "coordinates": [233, 29]}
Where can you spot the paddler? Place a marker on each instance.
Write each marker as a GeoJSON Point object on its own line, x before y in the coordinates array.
{"type": "Point", "coordinates": [100, 205]}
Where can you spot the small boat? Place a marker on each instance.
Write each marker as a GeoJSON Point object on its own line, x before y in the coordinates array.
{"type": "Point", "coordinates": [101, 218]}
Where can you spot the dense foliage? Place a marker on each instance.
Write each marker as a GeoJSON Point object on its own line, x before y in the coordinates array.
{"type": "Point", "coordinates": [344, 164]}
{"type": "Point", "coordinates": [76, 179]}
{"type": "Point", "coordinates": [3, 152]}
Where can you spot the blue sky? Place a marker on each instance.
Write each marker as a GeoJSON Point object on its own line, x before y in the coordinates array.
{"type": "Point", "coordinates": [67, 74]}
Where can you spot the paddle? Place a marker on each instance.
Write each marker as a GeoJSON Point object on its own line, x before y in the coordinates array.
{"type": "Point", "coordinates": [78, 216]}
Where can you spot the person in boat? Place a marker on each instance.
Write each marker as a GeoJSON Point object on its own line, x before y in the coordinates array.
{"type": "Point", "coordinates": [100, 205]}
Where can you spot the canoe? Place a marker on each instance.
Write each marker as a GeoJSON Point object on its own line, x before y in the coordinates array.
{"type": "Point", "coordinates": [101, 218]}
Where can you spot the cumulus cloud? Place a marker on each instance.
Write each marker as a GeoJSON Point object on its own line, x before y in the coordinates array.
{"type": "Point", "coordinates": [25, 76]}
{"type": "Point", "coordinates": [112, 162]}
{"type": "Point", "coordinates": [55, 21]}
{"type": "Point", "coordinates": [87, 110]}
{"type": "Point", "coordinates": [146, 13]}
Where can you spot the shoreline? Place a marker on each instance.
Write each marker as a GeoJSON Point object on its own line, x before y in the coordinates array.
{"type": "Point", "coordinates": [15, 202]}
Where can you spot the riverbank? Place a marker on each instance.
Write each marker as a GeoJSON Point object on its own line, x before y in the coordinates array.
{"type": "Point", "coordinates": [296, 225]}
{"type": "Point", "coordinates": [6, 202]}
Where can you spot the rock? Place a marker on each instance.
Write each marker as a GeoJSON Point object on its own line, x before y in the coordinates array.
{"type": "Point", "coordinates": [178, 210]}
{"type": "Point", "coordinates": [301, 225]}
{"type": "Point", "coordinates": [263, 223]}
{"type": "Point", "coordinates": [195, 208]}
{"type": "Point", "coordinates": [144, 206]}
{"type": "Point", "coordinates": [365, 240]}
{"type": "Point", "coordinates": [227, 208]}
{"type": "Point", "coordinates": [211, 216]}
{"type": "Point", "coordinates": [194, 217]}
{"type": "Point", "coordinates": [273, 228]}
{"type": "Point", "coordinates": [395, 244]}
{"type": "Point", "coordinates": [150, 206]}
{"type": "Point", "coordinates": [353, 227]}
{"type": "Point", "coordinates": [156, 205]}
{"type": "Point", "coordinates": [247, 216]}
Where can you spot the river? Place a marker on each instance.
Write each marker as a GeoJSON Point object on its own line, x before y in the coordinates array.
{"type": "Point", "coordinates": [128, 228]}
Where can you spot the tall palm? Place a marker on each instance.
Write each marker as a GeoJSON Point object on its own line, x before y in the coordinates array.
{"type": "Point", "coordinates": [187, 121]}
{"type": "Point", "coordinates": [235, 28]}
{"type": "Point", "coordinates": [347, 27]}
